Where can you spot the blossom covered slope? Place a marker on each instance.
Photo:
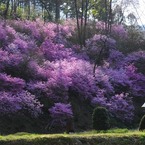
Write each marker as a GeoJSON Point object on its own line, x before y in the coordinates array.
{"type": "Point", "coordinates": [38, 62]}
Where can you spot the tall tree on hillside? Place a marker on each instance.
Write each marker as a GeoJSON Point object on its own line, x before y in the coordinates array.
{"type": "Point", "coordinates": [52, 7]}
{"type": "Point", "coordinates": [7, 5]}
{"type": "Point", "coordinates": [81, 11]}
{"type": "Point", "coordinates": [47, 5]}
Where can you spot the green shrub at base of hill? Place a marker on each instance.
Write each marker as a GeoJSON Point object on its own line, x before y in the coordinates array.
{"type": "Point", "coordinates": [142, 124]}
{"type": "Point", "coordinates": [100, 119]}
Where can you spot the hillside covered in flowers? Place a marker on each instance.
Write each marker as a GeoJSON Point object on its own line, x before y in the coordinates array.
{"type": "Point", "coordinates": [46, 77]}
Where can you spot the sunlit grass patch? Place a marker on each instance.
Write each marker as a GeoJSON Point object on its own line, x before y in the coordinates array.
{"type": "Point", "coordinates": [109, 137]}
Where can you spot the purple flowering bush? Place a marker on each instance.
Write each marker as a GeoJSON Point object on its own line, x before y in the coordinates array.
{"type": "Point", "coordinates": [19, 102]}
{"type": "Point", "coordinates": [60, 112]}
{"type": "Point", "coordinates": [99, 45]}
{"type": "Point", "coordinates": [42, 71]}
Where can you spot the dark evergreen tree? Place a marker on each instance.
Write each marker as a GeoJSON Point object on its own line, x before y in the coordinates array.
{"type": "Point", "coordinates": [100, 119]}
{"type": "Point", "coordinates": [142, 124]}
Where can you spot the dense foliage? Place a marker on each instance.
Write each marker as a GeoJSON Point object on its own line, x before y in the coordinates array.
{"type": "Point", "coordinates": [42, 71]}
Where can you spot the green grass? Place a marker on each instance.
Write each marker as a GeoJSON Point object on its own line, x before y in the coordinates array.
{"type": "Point", "coordinates": [110, 137]}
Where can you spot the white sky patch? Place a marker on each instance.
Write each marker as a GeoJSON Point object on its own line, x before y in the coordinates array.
{"type": "Point", "coordinates": [136, 7]}
{"type": "Point", "coordinates": [143, 105]}
{"type": "Point", "coordinates": [141, 11]}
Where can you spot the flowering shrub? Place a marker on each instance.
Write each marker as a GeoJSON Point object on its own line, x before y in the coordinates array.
{"type": "Point", "coordinates": [54, 51]}
{"type": "Point", "coordinates": [119, 32]}
{"type": "Point", "coordinates": [10, 83]}
{"type": "Point", "coordinates": [137, 81]}
{"type": "Point", "coordinates": [134, 57]}
{"type": "Point", "coordinates": [99, 45]}
{"type": "Point", "coordinates": [23, 101]}
{"type": "Point", "coordinates": [120, 105]}
{"type": "Point", "coordinates": [60, 112]}
{"type": "Point", "coordinates": [116, 58]}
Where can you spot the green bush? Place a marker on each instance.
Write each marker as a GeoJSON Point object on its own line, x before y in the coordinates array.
{"type": "Point", "coordinates": [142, 123]}
{"type": "Point", "coordinates": [100, 119]}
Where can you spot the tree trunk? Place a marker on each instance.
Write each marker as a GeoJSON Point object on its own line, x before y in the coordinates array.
{"type": "Point", "coordinates": [57, 10]}
{"type": "Point", "coordinates": [7, 8]}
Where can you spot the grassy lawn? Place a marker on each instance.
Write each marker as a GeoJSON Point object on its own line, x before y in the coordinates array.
{"type": "Point", "coordinates": [110, 137]}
